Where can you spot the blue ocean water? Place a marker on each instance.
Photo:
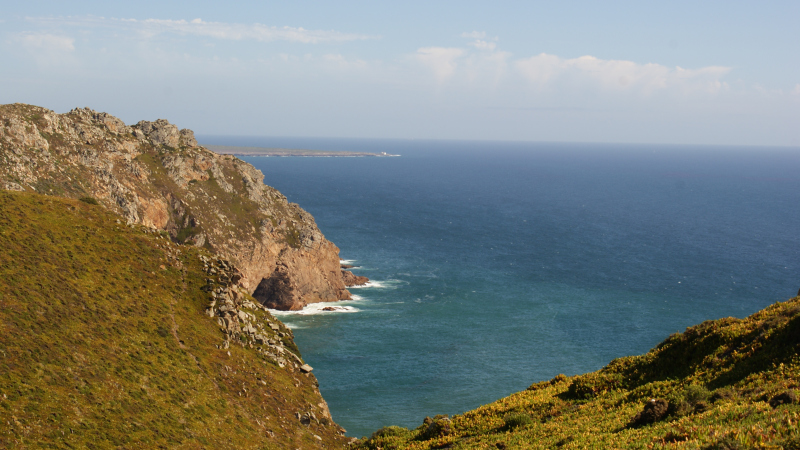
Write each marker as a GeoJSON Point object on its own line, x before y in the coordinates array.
{"type": "Point", "coordinates": [501, 264]}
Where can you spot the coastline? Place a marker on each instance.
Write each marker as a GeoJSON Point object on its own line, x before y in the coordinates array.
{"type": "Point", "coordinates": [283, 152]}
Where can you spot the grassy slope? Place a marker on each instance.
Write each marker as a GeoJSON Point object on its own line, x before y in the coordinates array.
{"type": "Point", "coordinates": [718, 378]}
{"type": "Point", "coordinates": [104, 344]}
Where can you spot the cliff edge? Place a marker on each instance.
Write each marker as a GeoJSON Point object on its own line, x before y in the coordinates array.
{"type": "Point", "coordinates": [156, 175]}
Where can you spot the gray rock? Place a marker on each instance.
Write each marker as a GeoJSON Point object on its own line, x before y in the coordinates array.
{"type": "Point", "coordinates": [187, 136]}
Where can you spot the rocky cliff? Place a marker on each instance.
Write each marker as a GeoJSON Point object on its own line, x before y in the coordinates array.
{"type": "Point", "coordinates": [156, 175]}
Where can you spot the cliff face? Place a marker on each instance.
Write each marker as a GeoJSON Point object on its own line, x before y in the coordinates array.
{"type": "Point", "coordinates": [156, 175]}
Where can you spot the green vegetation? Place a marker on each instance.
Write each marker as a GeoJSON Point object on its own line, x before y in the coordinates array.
{"type": "Point", "coordinates": [723, 384]}
{"type": "Point", "coordinates": [105, 343]}
{"type": "Point", "coordinates": [89, 200]}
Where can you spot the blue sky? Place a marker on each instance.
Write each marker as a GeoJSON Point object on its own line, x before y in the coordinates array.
{"type": "Point", "coordinates": [722, 72]}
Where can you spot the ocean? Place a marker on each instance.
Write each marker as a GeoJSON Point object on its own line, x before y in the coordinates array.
{"type": "Point", "coordinates": [495, 265]}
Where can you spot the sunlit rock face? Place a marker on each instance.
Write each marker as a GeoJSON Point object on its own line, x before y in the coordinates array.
{"type": "Point", "coordinates": [155, 174]}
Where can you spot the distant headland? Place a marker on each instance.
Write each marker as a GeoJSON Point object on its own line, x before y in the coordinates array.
{"type": "Point", "coordinates": [264, 151]}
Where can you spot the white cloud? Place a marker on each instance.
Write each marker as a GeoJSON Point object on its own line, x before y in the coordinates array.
{"type": "Point", "coordinates": [482, 64]}
{"type": "Point", "coordinates": [258, 32]}
{"type": "Point", "coordinates": [215, 30]}
{"type": "Point", "coordinates": [796, 89]}
{"type": "Point", "coordinates": [483, 45]}
{"type": "Point", "coordinates": [46, 49]}
{"type": "Point", "coordinates": [618, 75]}
{"type": "Point", "coordinates": [441, 60]}
{"type": "Point", "coordinates": [340, 62]}
{"type": "Point", "coordinates": [474, 35]}
{"type": "Point", "coordinates": [46, 42]}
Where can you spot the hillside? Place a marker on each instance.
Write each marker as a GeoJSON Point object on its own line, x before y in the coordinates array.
{"type": "Point", "coordinates": [154, 174]}
{"type": "Point", "coordinates": [112, 336]}
{"type": "Point", "coordinates": [723, 384]}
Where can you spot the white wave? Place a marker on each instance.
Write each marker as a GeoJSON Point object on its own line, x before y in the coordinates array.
{"type": "Point", "coordinates": [391, 284]}
{"type": "Point", "coordinates": [347, 261]}
{"type": "Point", "coordinates": [317, 308]}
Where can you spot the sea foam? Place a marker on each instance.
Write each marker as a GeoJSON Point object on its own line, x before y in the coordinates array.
{"type": "Point", "coordinates": [318, 308]}
{"type": "Point", "coordinates": [386, 284]}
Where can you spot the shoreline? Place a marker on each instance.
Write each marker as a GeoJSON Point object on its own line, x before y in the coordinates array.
{"type": "Point", "coordinates": [284, 152]}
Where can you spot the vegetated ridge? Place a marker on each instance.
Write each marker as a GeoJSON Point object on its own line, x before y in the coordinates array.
{"type": "Point", "coordinates": [156, 175]}
{"type": "Point", "coordinates": [114, 336]}
{"type": "Point", "coordinates": [723, 384]}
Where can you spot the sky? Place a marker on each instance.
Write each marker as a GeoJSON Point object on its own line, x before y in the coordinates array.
{"type": "Point", "coordinates": [679, 72]}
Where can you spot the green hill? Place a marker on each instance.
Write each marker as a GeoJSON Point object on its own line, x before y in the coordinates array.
{"type": "Point", "coordinates": [723, 384]}
{"type": "Point", "coordinates": [107, 340]}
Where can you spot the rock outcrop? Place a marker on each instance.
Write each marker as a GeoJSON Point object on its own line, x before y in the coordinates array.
{"type": "Point", "coordinates": [351, 279]}
{"type": "Point", "coordinates": [154, 174]}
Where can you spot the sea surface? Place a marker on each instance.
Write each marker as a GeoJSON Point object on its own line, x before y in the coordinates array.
{"type": "Point", "coordinates": [496, 265]}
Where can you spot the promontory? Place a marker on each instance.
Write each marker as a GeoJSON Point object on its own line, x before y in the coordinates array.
{"type": "Point", "coordinates": [155, 174]}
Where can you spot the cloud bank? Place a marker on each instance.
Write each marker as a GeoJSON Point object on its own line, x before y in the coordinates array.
{"type": "Point", "coordinates": [481, 62]}
{"type": "Point", "coordinates": [46, 42]}
{"type": "Point", "coordinates": [618, 75]}
{"type": "Point", "coordinates": [236, 31]}
{"type": "Point", "coordinates": [215, 30]}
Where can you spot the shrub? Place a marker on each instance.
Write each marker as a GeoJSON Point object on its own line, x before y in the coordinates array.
{"type": "Point", "coordinates": [792, 443]}
{"type": "Point", "coordinates": [654, 410]}
{"type": "Point", "coordinates": [439, 426]}
{"type": "Point", "coordinates": [693, 399]}
{"type": "Point", "coordinates": [592, 384]}
{"type": "Point", "coordinates": [389, 431]}
{"type": "Point", "coordinates": [722, 394]}
{"type": "Point", "coordinates": [516, 420]}
{"type": "Point", "coordinates": [726, 443]}
{"type": "Point", "coordinates": [788, 397]}
{"type": "Point", "coordinates": [89, 200]}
